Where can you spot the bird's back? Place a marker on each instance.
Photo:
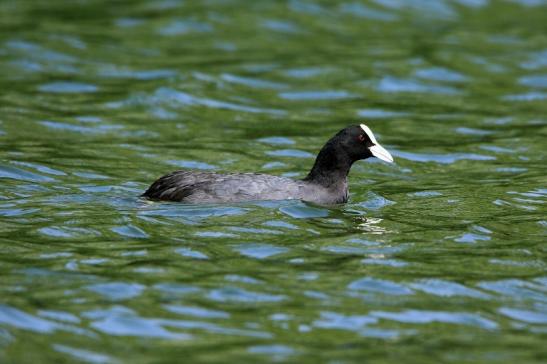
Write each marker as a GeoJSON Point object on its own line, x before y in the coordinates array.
{"type": "Point", "coordinates": [210, 187]}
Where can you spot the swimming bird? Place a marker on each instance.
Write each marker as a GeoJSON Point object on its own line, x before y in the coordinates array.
{"type": "Point", "coordinates": [325, 184]}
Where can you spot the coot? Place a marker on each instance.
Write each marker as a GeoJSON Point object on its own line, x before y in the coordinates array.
{"type": "Point", "coordinates": [325, 184]}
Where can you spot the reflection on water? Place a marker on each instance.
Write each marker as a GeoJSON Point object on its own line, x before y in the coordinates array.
{"type": "Point", "coordinates": [371, 225]}
{"type": "Point", "coordinates": [438, 257]}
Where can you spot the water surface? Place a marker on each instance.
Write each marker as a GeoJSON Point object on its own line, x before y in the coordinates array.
{"type": "Point", "coordinates": [437, 258]}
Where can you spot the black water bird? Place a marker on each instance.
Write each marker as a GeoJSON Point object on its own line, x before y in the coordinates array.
{"type": "Point", "coordinates": [325, 184]}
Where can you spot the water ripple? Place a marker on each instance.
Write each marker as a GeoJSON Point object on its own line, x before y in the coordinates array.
{"type": "Point", "coordinates": [441, 158]}
{"type": "Point", "coordinates": [14, 317]}
{"type": "Point", "coordinates": [334, 320]}
{"type": "Point", "coordinates": [117, 291]}
{"type": "Point", "coordinates": [303, 211]}
{"type": "Point", "coordinates": [81, 129]}
{"type": "Point", "coordinates": [368, 284]}
{"type": "Point", "coordinates": [282, 26]}
{"type": "Point", "coordinates": [536, 81]}
{"type": "Point", "coordinates": [22, 175]}
{"type": "Point", "coordinates": [295, 153]}
{"type": "Point", "coordinates": [253, 82]}
{"type": "Point", "coordinates": [121, 321]}
{"type": "Point", "coordinates": [185, 26]}
{"type": "Point", "coordinates": [233, 294]}
{"type": "Point", "coordinates": [260, 251]}
{"type": "Point", "coordinates": [85, 355]}
{"type": "Point", "coordinates": [528, 316]}
{"type": "Point", "coordinates": [424, 317]}
{"type": "Point", "coordinates": [196, 311]}
{"type": "Point", "coordinates": [68, 87]}
{"type": "Point", "coordinates": [440, 74]}
{"type": "Point", "coordinates": [316, 95]}
{"type": "Point", "coordinates": [445, 288]}
{"type": "Point", "coordinates": [187, 252]}
{"type": "Point", "coordinates": [362, 11]}
{"type": "Point", "coordinates": [517, 289]}
{"type": "Point", "coordinates": [393, 84]}
{"type": "Point", "coordinates": [277, 352]}
{"type": "Point", "coordinates": [130, 231]}
{"type": "Point", "coordinates": [175, 98]}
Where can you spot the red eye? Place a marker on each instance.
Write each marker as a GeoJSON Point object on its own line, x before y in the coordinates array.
{"type": "Point", "coordinates": [361, 137]}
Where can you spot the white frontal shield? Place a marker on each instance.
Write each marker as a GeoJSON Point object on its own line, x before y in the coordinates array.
{"type": "Point", "coordinates": [377, 150]}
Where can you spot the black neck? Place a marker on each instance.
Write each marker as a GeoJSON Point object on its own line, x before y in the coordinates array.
{"type": "Point", "coordinates": [331, 166]}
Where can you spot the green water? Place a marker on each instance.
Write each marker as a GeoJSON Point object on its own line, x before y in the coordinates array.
{"type": "Point", "coordinates": [437, 258]}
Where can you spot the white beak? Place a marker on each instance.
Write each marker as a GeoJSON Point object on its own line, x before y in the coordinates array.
{"type": "Point", "coordinates": [377, 150]}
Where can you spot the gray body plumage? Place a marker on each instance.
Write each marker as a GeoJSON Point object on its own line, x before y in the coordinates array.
{"type": "Point", "coordinates": [210, 187]}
